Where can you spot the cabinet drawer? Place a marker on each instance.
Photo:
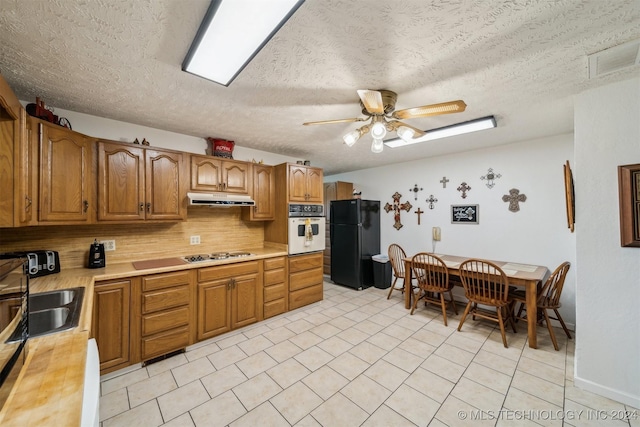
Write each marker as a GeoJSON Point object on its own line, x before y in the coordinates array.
{"type": "Point", "coordinates": [272, 263]}
{"type": "Point", "coordinates": [304, 279]}
{"type": "Point", "coordinates": [165, 342]}
{"type": "Point", "coordinates": [274, 276]}
{"type": "Point", "coordinates": [274, 308]}
{"type": "Point", "coordinates": [305, 262]}
{"type": "Point", "coordinates": [165, 298]}
{"type": "Point", "coordinates": [160, 281]}
{"type": "Point", "coordinates": [231, 270]}
{"type": "Point", "coordinates": [305, 296]}
{"type": "Point", "coordinates": [274, 292]}
{"type": "Point", "coordinates": [164, 320]}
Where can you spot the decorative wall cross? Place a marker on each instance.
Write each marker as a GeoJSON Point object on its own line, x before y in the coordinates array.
{"type": "Point", "coordinates": [491, 176]}
{"type": "Point", "coordinates": [431, 200]}
{"type": "Point", "coordinates": [419, 212]}
{"type": "Point", "coordinates": [444, 181]}
{"type": "Point", "coordinates": [464, 188]}
{"type": "Point", "coordinates": [514, 197]}
{"type": "Point", "coordinates": [415, 190]}
{"type": "Point", "coordinates": [397, 207]}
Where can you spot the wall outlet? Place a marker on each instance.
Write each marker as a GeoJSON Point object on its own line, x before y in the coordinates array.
{"type": "Point", "coordinates": [109, 245]}
{"type": "Point", "coordinates": [195, 240]}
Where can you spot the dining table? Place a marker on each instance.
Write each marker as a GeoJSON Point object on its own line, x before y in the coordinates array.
{"type": "Point", "coordinates": [525, 276]}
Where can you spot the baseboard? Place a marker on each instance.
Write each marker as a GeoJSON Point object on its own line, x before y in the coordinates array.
{"type": "Point", "coordinates": [607, 392]}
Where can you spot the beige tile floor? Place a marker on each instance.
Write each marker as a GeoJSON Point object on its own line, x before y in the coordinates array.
{"type": "Point", "coordinates": [358, 359]}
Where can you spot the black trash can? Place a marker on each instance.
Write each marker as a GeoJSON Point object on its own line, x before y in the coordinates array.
{"type": "Point", "coordinates": [381, 271]}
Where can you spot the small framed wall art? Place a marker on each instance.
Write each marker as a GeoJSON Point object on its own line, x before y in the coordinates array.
{"type": "Point", "coordinates": [465, 214]}
{"type": "Point", "coordinates": [629, 192]}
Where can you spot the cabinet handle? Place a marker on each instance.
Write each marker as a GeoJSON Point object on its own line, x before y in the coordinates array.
{"type": "Point", "coordinates": [141, 206]}
{"type": "Point", "coordinates": [28, 204]}
{"type": "Point", "coordinates": [224, 186]}
{"type": "Point", "coordinates": [148, 207]}
{"type": "Point", "coordinates": [86, 206]}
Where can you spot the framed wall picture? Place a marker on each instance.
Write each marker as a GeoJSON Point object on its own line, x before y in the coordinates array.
{"type": "Point", "coordinates": [629, 194]}
{"type": "Point", "coordinates": [465, 214]}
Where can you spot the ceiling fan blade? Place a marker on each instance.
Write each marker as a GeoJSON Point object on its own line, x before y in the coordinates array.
{"type": "Point", "coordinates": [417, 132]}
{"type": "Point", "coordinates": [326, 122]}
{"type": "Point", "coordinates": [372, 101]}
{"type": "Point", "coordinates": [431, 110]}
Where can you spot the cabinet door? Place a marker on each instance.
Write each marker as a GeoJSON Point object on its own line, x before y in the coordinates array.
{"type": "Point", "coordinates": [236, 177]}
{"type": "Point", "coordinates": [111, 323]}
{"type": "Point", "coordinates": [121, 186]}
{"type": "Point", "coordinates": [245, 306]}
{"type": "Point", "coordinates": [10, 123]}
{"type": "Point", "coordinates": [165, 187]}
{"type": "Point", "coordinates": [315, 187]}
{"type": "Point", "coordinates": [264, 190]}
{"type": "Point", "coordinates": [26, 172]}
{"type": "Point", "coordinates": [297, 183]}
{"type": "Point", "coordinates": [206, 173]}
{"type": "Point", "coordinates": [65, 175]}
{"type": "Point", "coordinates": [213, 308]}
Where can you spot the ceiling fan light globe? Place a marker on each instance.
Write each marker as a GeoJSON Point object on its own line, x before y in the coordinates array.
{"type": "Point", "coordinates": [377, 146]}
{"type": "Point", "coordinates": [351, 137]}
{"type": "Point", "coordinates": [378, 130]}
{"type": "Point", "coordinates": [405, 133]}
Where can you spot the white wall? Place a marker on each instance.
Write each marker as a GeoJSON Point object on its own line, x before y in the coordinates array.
{"type": "Point", "coordinates": [121, 131]}
{"type": "Point", "coordinates": [537, 234]}
{"type": "Point", "coordinates": [607, 134]}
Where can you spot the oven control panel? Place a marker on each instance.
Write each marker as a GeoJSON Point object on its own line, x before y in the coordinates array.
{"type": "Point", "coordinates": [296, 210]}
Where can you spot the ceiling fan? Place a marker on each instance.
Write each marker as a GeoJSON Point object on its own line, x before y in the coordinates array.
{"type": "Point", "coordinates": [379, 108]}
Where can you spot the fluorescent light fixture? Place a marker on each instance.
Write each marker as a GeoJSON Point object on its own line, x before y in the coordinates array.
{"type": "Point", "coordinates": [443, 132]}
{"type": "Point", "coordinates": [231, 35]}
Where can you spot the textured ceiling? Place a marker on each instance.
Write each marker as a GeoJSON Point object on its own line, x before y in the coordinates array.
{"type": "Point", "coordinates": [519, 60]}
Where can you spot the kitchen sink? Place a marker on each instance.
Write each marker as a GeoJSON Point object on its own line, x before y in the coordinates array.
{"type": "Point", "coordinates": [54, 311]}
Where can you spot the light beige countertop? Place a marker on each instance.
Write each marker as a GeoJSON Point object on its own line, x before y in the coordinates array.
{"type": "Point", "coordinates": [49, 389]}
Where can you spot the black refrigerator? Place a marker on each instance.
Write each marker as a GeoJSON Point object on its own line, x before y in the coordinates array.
{"type": "Point", "coordinates": [355, 238]}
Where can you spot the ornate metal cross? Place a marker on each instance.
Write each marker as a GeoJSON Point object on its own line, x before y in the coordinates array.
{"type": "Point", "coordinates": [431, 200]}
{"type": "Point", "coordinates": [444, 181]}
{"type": "Point", "coordinates": [464, 188]}
{"type": "Point", "coordinates": [514, 197]}
{"type": "Point", "coordinates": [397, 207]}
{"type": "Point", "coordinates": [419, 212]}
{"type": "Point", "coordinates": [491, 176]}
{"type": "Point", "coordinates": [415, 190]}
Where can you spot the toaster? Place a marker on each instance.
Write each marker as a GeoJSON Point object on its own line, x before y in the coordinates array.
{"type": "Point", "coordinates": [40, 263]}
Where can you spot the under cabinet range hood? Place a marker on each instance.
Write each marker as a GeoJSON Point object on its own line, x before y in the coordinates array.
{"type": "Point", "coordinates": [219, 200]}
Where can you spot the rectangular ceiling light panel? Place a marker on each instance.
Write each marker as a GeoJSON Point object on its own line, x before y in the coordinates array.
{"type": "Point", "coordinates": [443, 132]}
{"type": "Point", "coordinates": [232, 33]}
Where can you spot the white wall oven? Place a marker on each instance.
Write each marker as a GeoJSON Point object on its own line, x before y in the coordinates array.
{"type": "Point", "coordinates": [14, 321]}
{"type": "Point", "coordinates": [306, 228]}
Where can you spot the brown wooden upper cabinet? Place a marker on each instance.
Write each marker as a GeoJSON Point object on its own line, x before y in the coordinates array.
{"type": "Point", "coordinates": [9, 134]}
{"type": "Point", "coordinates": [263, 193]}
{"type": "Point", "coordinates": [136, 183]}
{"type": "Point", "coordinates": [66, 189]}
{"type": "Point", "coordinates": [215, 174]}
{"type": "Point", "coordinates": [305, 184]}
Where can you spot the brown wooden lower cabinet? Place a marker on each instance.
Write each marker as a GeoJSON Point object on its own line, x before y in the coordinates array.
{"type": "Point", "coordinates": [276, 287]}
{"type": "Point", "coordinates": [305, 279]}
{"type": "Point", "coordinates": [165, 313]}
{"type": "Point", "coordinates": [110, 326]}
{"type": "Point", "coordinates": [229, 297]}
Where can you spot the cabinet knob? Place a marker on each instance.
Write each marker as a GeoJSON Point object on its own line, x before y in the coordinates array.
{"type": "Point", "coordinates": [28, 203]}
{"type": "Point", "coordinates": [141, 206]}
{"type": "Point", "coordinates": [148, 207]}
{"type": "Point", "coordinates": [86, 205]}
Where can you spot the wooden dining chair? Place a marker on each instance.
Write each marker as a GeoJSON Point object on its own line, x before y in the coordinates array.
{"type": "Point", "coordinates": [396, 257]}
{"type": "Point", "coordinates": [432, 278]}
{"type": "Point", "coordinates": [548, 299]}
{"type": "Point", "coordinates": [486, 284]}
